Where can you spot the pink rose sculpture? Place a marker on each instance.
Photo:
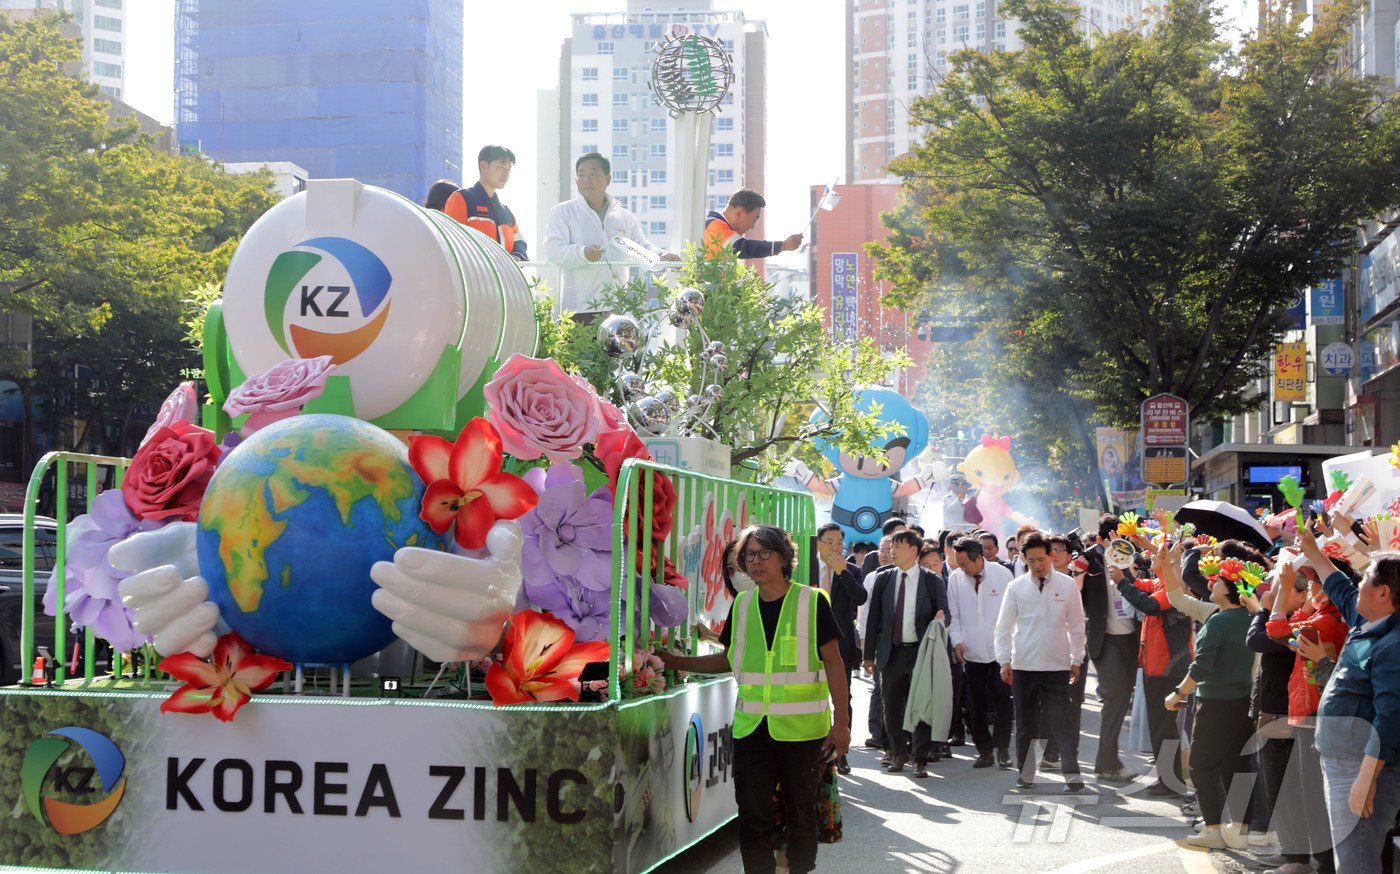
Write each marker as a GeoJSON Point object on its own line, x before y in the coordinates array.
{"type": "Point", "coordinates": [540, 410]}
{"type": "Point", "coordinates": [181, 406]}
{"type": "Point", "coordinates": [280, 392]}
{"type": "Point", "coordinates": [610, 418]}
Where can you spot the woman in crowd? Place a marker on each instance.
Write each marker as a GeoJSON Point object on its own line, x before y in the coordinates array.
{"type": "Point", "coordinates": [1164, 653]}
{"type": "Point", "coordinates": [788, 692]}
{"type": "Point", "coordinates": [1219, 676]}
{"type": "Point", "coordinates": [1292, 773]}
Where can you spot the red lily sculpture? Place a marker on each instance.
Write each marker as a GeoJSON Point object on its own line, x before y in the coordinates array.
{"type": "Point", "coordinates": [541, 662]}
{"type": "Point", "coordinates": [225, 685]}
{"type": "Point", "coordinates": [466, 485]}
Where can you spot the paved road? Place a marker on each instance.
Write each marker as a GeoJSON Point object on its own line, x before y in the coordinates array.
{"type": "Point", "coordinates": [967, 821]}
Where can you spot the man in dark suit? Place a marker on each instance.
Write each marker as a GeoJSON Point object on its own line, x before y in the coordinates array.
{"type": "Point", "coordinates": [835, 577]}
{"type": "Point", "coordinates": [872, 558]}
{"type": "Point", "coordinates": [905, 599]}
{"type": "Point", "coordinates": [1113, 639]}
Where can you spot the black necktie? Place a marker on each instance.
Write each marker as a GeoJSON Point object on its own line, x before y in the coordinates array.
{"type": "Point", "coordinates": [976, 583]}
{"type": "Point", "coordinates": [899, 610]}
{"type": "Point", "coordinates": [1041, 581]}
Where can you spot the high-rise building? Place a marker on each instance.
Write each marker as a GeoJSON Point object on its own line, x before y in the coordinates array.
{"type": "Point", "coordinates": [898, 49]}
{"type": "Point", "coordinates": [102, 24]}
{"type": "Point", "coordinates": [344, 88]}
{"type": "Point", "coordinates": [604, 105]}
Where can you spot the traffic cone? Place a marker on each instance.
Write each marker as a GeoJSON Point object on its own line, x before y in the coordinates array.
{"type": "Point", "coordinates": [38, 677]}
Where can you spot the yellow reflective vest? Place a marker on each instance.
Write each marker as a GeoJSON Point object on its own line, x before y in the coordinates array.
{"type": "Point", "coordinates": [785, 682]}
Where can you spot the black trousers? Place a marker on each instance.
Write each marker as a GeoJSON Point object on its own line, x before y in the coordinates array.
{"type": "Point", "coordinates": [760, 764]}
{"type": "Point", "coordinates": [988, 706]}
{"type": "Point", "coordinates": [1029, 689]}
{"type": "Point", "coordinates": [1292, 778]}
{"type": "Point", "coordinates": [1161, 728]}
{"type": "Point", "coordinates": [895, 678]}
{"type": "Point", "coordinates": [1076, 713]}
{"type": "Point", "coordinates": [1116, 670]}
{"type": "Point", "coordinates": [958, 725]}
{"type": "Point", "coordinates": [1218, 739]}
{"type": "Point", "coordinates": [875, 718]}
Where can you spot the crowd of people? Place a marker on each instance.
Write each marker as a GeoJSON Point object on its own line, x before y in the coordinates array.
{"type": "Point", "coordinates": [1268, 678]}
{"type": "Point", "coordinates": [584, 235]}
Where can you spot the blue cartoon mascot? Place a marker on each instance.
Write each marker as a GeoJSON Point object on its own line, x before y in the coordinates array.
{"type": "Point", "coordinates": [863, 491]}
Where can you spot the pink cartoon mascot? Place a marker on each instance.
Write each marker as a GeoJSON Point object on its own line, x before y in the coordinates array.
{"type": "Point", "coordinates": [990, 469]}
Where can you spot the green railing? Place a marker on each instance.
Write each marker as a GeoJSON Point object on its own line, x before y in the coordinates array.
{"type": "Point", "coordinates": [696, 496]}
{"type": "Point", "coordinates": [59, 462]}
{"type": "Point", "coordinates": [689, 544]}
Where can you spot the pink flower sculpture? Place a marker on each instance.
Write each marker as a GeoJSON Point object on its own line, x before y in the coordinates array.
{"type": "Point", "coordinates": [540, 410]}
{"type": "Point", "coordinates": [280, 392]}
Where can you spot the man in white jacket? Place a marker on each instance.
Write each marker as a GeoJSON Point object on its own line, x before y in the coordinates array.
{"type": "Point", "coordinates": [578, 234]}
{"type": "Point", "coordinates": [975, 590]}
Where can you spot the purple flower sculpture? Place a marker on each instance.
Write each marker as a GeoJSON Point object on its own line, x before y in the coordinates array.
{"type": "Point", "coordinates": [567, 554]}
{"type": "Point", "coordinates": [90, 595]}
{"type": "Point", "coordinates": [668, 605]}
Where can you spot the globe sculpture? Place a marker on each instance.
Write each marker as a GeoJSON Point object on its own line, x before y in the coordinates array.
{"type": "Point", "coordinates": [691, 73]}
{"type": "Point", "coordinates": [290, 525]}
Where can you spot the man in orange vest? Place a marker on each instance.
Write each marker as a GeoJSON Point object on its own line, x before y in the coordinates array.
{"type": "Point", "coordinates": [727, 229]}
{"type": "Point", "coordinates": [480, 208]}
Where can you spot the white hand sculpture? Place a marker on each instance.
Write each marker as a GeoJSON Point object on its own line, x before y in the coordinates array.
{"type": "Point", "coordinates": [798, 471]}
{"type": "Point", "coordinates": [933, 473]}
{"type": "Point", "coordinates": [451, 608]}
{"type": "Point", "coordinates": [165, 590]}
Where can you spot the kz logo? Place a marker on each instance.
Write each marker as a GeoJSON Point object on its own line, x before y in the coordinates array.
{"type": "Point", "coordinates": [41, 770]}
{"type": "Point", "coordinates": [694, 766]}
{"type": "Point", "coordinates": [315, 302]}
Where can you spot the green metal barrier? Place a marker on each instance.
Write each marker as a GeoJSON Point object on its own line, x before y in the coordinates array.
{"type": "Point", "coordinates": [696, 495]}
{"type": "Point", "coordinates": [59, 462]}
{"type": "Point", "coordinates": [634, 513]}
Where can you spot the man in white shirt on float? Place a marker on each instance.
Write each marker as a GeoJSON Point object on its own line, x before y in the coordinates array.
{"type": "Point", "coordinates": [579, 234]}
{"type": "Point", "coordinates": [975, 592]}
{"type": "Point", "coordinates": [1040, 641]}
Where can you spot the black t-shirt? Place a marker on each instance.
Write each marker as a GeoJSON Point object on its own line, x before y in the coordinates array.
{"type": "Point", "coordinates": [827, 629]}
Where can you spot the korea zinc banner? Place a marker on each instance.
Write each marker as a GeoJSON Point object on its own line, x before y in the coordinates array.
{"type": "Point", "coordinates": [107, 782]}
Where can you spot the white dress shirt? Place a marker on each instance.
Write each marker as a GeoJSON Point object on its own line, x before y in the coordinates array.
{"type": "Point", "coordinates": [910, 581]}
{"type": "Point", "coordinates": [864, 609]}
{"type": "Point", "coordinates": [975, 610]}
{"type": "Point", "coordinates": [1041, 629]}
{"type": "Point", "coordinates": [573, 226]}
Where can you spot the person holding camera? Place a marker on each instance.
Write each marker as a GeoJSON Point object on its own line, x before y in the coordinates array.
{"type": "Point", "coordinates": [784, 646]}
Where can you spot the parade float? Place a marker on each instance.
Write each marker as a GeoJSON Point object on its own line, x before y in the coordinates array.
{"type": "Point", "coordinates": [385, 600]}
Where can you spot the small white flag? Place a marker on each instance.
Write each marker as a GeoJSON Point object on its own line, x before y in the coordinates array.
{"type": "Point", "coordinates": [829, 199]}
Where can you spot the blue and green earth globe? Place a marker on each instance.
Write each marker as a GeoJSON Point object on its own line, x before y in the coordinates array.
{"type": "Point", "coordinates": [292, 521]}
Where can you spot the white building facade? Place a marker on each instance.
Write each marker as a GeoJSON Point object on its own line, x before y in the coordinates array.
{"type": "Point", "coordinates": [899, 49]}
{"type": "Point", "coordinates": [103, 26]}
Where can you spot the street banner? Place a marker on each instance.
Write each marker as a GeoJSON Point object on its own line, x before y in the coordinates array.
{"type": "Point", "coordinates": [845, 281]}
{"type": "Point", "coordinates": [1326, 302]}
{"type": "Point", "coordinates": [1165, 421]}
{"type": "Point", "coordinates": [1337, 359]}
{"type": "Point", "coordinates": [1290, 372]}
{"type": "Point", "coordinates": [1297, 312]}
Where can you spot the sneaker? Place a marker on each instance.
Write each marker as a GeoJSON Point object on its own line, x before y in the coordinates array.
{"type": "Point", "coordinates": [1073, 786]}
{"type": "Point", "coordinates": [1161, 790]}
{"type": "Point", "coordinates": [1049, 764]}
{"type": "Point", "coordinates": [1210, 838]}
{"type": "Point", "coordinates": [1004, 759]}
{"type": "Point", "coordinates": [1022, 783]}
{"type": "Point", "coordinates": [1263, 839]}
{"type": "Point", "coordinates": [1190, 808]}
{"type": "Point", "coordinates": [1117, 775]}
{"type": "Point", "coordinates": [920, 770]}
{"type": "Point", "coordinates": [1236, 836]}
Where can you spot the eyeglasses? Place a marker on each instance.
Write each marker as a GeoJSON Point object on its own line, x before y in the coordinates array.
{"type": "Point", "coordinates": [761, 555]}
{"type": "Point", "coordinates": [838, 542]}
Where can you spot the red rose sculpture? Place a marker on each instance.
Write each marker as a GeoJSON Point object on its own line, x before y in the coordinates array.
{"type": "Point", "coordinates": [615, 447]}
{"type": "Point", "coordinates": [168, 476]}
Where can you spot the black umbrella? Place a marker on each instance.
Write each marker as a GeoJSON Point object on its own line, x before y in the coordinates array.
{"type": "Point", "coordinates": [1225, 522]}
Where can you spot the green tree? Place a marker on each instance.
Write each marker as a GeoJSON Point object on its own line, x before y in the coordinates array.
{"type": "Point", "coordinates": [103, 240]}
{"type": "Point", "coordinates": [1128, 211]}
{"type": "Point", "coordinates": [781, 364]}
